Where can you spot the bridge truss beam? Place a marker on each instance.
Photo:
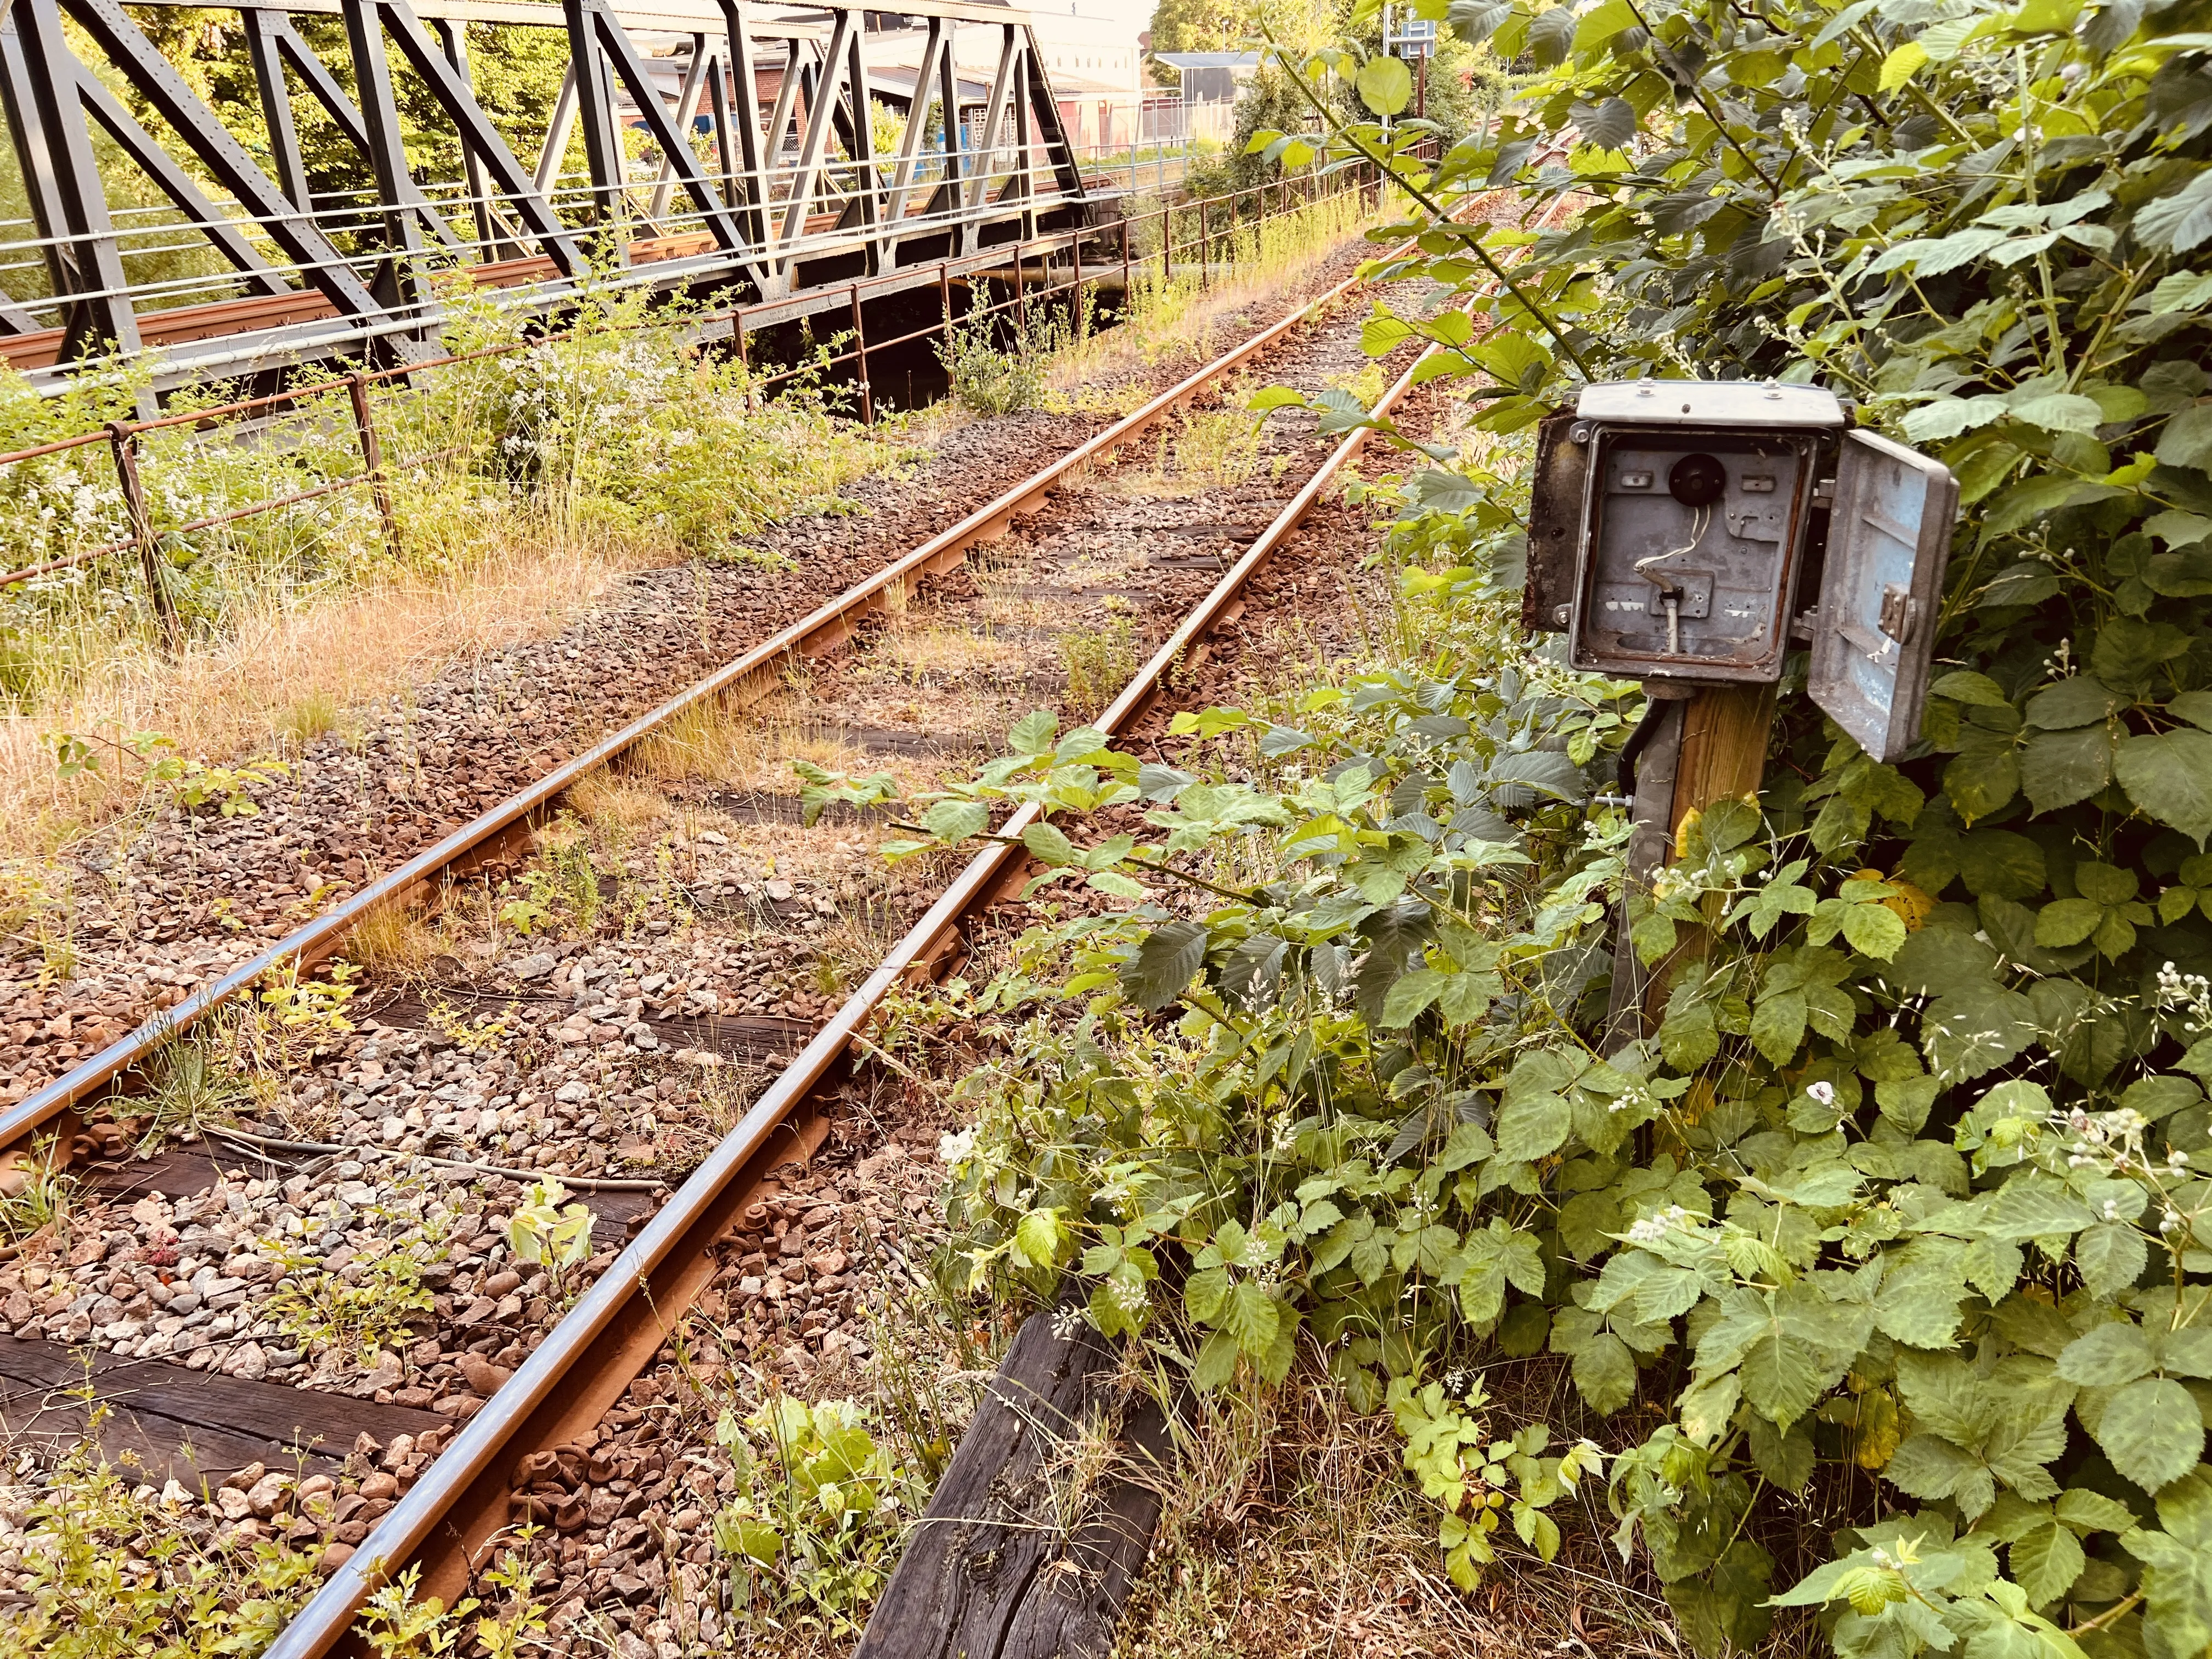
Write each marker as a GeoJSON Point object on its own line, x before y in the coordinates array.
{"type": "Point", "coordinates": [789, 193]}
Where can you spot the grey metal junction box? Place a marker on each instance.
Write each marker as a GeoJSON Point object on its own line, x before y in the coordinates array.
{"type": "Point", "coordinates": [1675, 522]}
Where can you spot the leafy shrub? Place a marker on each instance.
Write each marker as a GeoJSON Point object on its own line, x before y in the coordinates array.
{"type": "Point", "coordinates": [167, 776]}
{"type": "Point", "coordinates": [1896, 1216]}
{"type": "Point", "coordinates": [816, 1520]}
{"type": "Point", "coordinates": [617, 431]}
{"type": "Point", "coordinates": [542, 1231]}
{"type": "Point", "coordinates": [1218, 446]}
{"type": "Point", "coordinates": [1099, 660]}
{"type": "Point", "coordinates": [562, 888]}
{"type": "Point", "coordinates": [111, 1569]}
{"type": "Point", "coordinates": [984, 379]}
{"type": "Point", "coordinates": [358, 1310]}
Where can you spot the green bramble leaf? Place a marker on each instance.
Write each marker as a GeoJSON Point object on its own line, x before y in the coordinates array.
{"type": "Point", "coordinates": [2178, 222]}
{"type": "Point", "coordinates": [2169, 776]}
{"type": "Point", "coordinates": [2112, 1257]}
{"type": "Point", "coordinates": [1874, 930]}
{"type": "Point", "coordinates": [1166, 962]}
{"type": "Point", "coordinates": [2152, 1433]}
{"type": "Point", "coordinates": [2108, 1356]}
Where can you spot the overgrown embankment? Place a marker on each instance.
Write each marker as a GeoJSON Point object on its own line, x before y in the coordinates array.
{"type": "Point", "coordinates": [1879, 1269]}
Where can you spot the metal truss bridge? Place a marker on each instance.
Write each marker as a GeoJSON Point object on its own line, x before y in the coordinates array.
{"type": "Point", "coordinates": [766, 179]}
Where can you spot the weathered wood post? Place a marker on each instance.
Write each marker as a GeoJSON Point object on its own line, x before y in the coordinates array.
{"type": "Point", "coordinates": [372, 458]}
{"type": "Point", "coordinates": [124, 441]}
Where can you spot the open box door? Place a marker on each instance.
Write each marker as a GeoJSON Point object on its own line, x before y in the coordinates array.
{"type": "Point", "coordinates": [1889, 538]}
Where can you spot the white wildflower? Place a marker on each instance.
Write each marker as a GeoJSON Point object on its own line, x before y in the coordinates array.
{"type": "Point", "coordinates": [1653, 1228]}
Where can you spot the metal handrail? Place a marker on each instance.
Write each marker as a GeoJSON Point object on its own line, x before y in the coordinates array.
{"type": "Point", "coordinates": [124, 436]}
{"type": "Point", "coordinates": [773, 180]}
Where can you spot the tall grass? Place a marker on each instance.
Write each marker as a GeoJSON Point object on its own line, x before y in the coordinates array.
{"type": "Point", "coordinates": [1174, 316]}
{"type": "Point", "coordinates": [518, 484]}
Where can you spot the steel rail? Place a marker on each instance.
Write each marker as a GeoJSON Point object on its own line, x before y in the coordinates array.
{"type": "Point", "coordinates": [592, 1355]}
{"type": "Point", "coordinates": [817, 634]}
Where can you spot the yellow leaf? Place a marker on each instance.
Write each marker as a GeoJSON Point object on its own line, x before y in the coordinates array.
{"type": "Point", "coordinates": [1908, 904]}
{"type": "Point", "coordinates": [1684, 830]}
{"type": "Point", "coordinates": [1875, 1438]}
{"type": "Point", "coordinates": [1902, 66]}
{"type": "Point", "coordinates": [1698, 1102]}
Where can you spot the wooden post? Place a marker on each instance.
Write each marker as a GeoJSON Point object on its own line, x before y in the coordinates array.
{"type": "Point", "coordinates": [372, 456]}
{"type": "Point", "coordinates": [1021, 299]}
{"type": "Point", "coordinates": [1724, 736]}
{"type": "Point", "coordinates": [1702, 744]}
{"type": "Point", "coordinates": [125, 442]}
{"type": "Point", "coordinates": [1010, 1560]}
{"type": "Point", "coordinates": [1205, 254]}
{"type": "Point", "coordinates": [1125, 268]}
{"type": "Point", "coordinates": [1711, 747]}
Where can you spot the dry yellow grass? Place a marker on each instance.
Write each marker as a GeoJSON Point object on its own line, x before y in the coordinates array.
{"type": "Point", "coordinates": [392, 942]}
{"type": "Point", "coordinates": [1292, 1531]}
{"type": "Point", "coordinates": [289, 670]}
{"type": "Point", "coordinates": [617, 805]}
{"type": "Point", "coordinates": [1178, 318]}
{"type": "Point", "coordinates": [930, 653]}
{"type": "Point", "coordinates": [752, 748]}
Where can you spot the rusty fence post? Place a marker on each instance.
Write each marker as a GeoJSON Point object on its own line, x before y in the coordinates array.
{"type": "Point", "coordinates": [1021, 298]}
{"type": "Point", "coordinates": [745, 365]}
{"type": "Point", "coordinates": [1125, 268]}
{"type": "Point", "coordinates": [1083, 319]}
{"type": "Point", "coordinates": [860, 361]}
{"type": "Point", "coordinates": [1204, 251]}
{"type": "Point", "coordinates": [948, 353]}
{"type": "Point", "coordinates": [1167, 245]}
{"type": "Point", "coordinates": [372, 456]}
{"type": "Point", "coordinates": [125, 442]}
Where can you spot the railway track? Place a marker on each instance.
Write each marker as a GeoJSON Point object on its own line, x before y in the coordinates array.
{"type": "Point", "coordinates": [717, 1021]}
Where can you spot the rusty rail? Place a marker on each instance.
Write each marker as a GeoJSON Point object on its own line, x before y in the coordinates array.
{"type": "Point", "coordinates": [586, 1362]}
